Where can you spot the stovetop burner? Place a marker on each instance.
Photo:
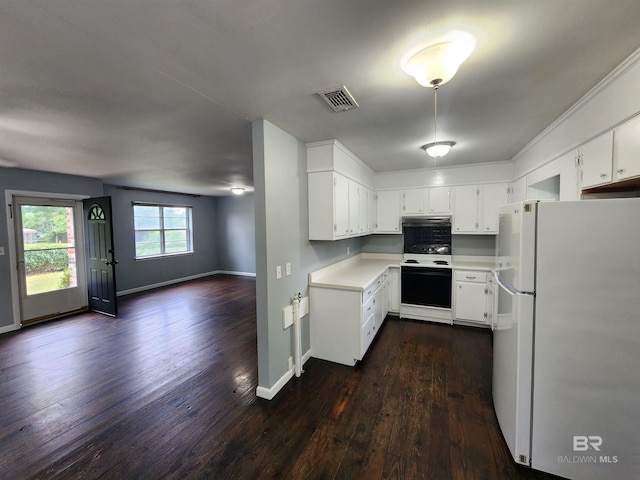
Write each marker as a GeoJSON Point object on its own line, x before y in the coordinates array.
{"type": "Point", "coordinates": [426, 260]}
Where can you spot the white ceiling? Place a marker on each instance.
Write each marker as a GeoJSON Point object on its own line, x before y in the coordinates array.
{"type": "Point", "coordinates": [161, 93]}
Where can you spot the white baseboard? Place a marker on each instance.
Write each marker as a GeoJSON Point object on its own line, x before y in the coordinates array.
{"type": "Point", "coordinates": [269, 393]}
{"type": "Point", "coordinates": [8, 328]}
{"type": "Point", "coordinates": [180, 280]}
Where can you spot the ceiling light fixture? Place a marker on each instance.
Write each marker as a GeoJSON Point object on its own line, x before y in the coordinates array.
{"type": "Point", "coordinates": [434, 65]}
{"type": "Point", "coordinates": [439, 60]}
{"type": "Point", "coordinates": [438, 149]}
{"type": "Point", "coordinates": [237, 190]}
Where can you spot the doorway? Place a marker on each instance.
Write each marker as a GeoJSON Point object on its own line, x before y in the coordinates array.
{"type": "Point", "coordinates": [49, 252]}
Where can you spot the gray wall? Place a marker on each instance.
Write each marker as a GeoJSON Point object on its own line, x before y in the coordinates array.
{"type": "Point", "coordinates": [135, 274]}
{"type": "Point", "coordinates": [236, 231]}
{"type": "Point", "coordinates": [282, 232]}
{"type": "Point", "coordinates": [476, 245]}
{"type": "Point", "coordinates": [32, 181]}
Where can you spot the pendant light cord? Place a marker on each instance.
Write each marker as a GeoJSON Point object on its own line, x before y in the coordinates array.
{"type": "Point", "coordinates": [436, 84]}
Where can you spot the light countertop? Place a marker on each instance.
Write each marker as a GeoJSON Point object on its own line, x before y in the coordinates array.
{"type": "Point", "coordinates": [356, 273]}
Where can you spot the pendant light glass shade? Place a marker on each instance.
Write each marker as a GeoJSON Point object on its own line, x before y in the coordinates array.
{"type": "Point", "coordinates": [438, 149]}
{"type": "Point", "coordinates": [439, 61]}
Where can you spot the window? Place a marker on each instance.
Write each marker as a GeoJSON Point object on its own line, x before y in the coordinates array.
{"type": "Point", "coordinates": [162, 229]}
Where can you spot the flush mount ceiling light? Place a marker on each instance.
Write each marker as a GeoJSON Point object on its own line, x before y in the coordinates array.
{"type": "Point", "coordinates": [438, 149]}
{"type": "Point", "coordinates": [237, 190]}
{"type": "Point", "coordinates": [438, 62]}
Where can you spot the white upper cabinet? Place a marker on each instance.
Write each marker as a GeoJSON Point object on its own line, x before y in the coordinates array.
{"type": "Point", "coordinates": [466, 209]}
{"type": "Point", "coordinates": [439, 201]}
{"type": "Point", "coordinates": [371, 212]}
{"type": "Point", "coordinates": [413, 201]}
{"type": "Point", "coordinates": [476, 208]}
{"type": "Point", "coordinates": [354, 208]}
{"type": "Point", "coordinates": [328, 206]}
{"type": "Point", "coordinates": [494, 196]}
{"type": "Point", "coordinates": [596, 161]}
{"type": "Point", "coordinates": [388, 211]}
{"type": "Point", "coordinates": [363, 210]}
{"type": "Point", "coordinates": [626, 150]}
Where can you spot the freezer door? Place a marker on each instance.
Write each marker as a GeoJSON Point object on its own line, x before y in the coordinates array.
{"type": "Point", "coordinates": [512, 370]}
{"type": "Point", "coordinates": [515, 245]}
{"type": "Point", "coordinates": [586, 403]}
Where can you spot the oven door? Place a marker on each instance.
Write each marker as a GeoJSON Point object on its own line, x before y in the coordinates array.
{"type": "Point", "coordinates": [426, 286]}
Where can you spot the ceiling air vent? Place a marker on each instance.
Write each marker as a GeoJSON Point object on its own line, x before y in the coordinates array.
{"type": "Point", "coordinates": [339, 99]}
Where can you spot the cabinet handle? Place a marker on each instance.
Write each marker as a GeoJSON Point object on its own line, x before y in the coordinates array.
{"type": "Point", "coordinates": [469, 277]}
{"type": "Point", "coordinates": [620, 170]}
{"type": "Point", "coordinates": [603, 175]}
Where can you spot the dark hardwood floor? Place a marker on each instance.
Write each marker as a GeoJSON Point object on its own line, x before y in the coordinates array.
{"type": "Point", "coordinates": [167, 390]}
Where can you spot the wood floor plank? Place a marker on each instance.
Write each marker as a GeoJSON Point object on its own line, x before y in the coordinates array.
{"type": "Point", "coordinates": [167, 390]}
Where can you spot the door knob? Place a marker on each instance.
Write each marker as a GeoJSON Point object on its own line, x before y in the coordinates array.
{"type": "Point", "coordinates": [114, 262]}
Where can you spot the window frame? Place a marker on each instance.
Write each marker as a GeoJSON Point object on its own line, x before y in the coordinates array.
{"type": "Point", "coordinates": [162, 230]}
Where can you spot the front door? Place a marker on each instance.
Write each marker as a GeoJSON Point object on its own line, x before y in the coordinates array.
{"type": "Point", "coordinates": [100, 256]}
{"type": "Point", "coordinates": [48, 239]}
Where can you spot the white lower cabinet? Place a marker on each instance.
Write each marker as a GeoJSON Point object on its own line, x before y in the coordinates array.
{"type": "Point", "coordinates": [473, 297]}
{"type": "Point", "coordinates": [345, 322]}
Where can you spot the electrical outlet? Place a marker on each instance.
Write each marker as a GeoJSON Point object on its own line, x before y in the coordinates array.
{"type": "Point", "coordinates": [290, 363]}
{"type": "Point", "coordinates": [288, 268]}
{"type": "Point", "coordinates": [348, 250]}
{"type": "Point", "coordinates": [278, 272]}
{"type": "Point", "coordinates": [1, 250]}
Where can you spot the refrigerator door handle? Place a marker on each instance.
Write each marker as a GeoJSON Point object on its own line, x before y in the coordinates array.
{"type": "Point", "coordinates": [508, 288]}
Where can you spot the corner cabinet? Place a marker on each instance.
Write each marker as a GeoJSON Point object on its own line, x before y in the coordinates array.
{"type": "Point", "coordinates": [388, 211]}
{"type": "Point", "coordinates": [476, 208]}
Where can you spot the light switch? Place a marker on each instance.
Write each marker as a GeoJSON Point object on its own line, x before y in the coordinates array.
{"type": "Point", "coordinates": [278, 272]}
{"type": "Point", "coordinates": [288, 268]}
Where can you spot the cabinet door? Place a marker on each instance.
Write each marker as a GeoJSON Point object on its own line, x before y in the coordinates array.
{"type": "Point", "coordinates": [388, 211]}
{"type": "Point", "coordinates": [354, 208]}
{"type": "Point", "coordinates": [596, 159]}
{"type": "Point", "coordinates": [371, 212]}
{"type": "Point", "coordinates": [626, 150]}
{"type": "Point", "coordinates": [465, 210]}
{"type": "Point", "coordinates": [518, 190]}
{"type": "Point", "coordinates": [439, 200]}
{"type": "Point", "coordinates": [413, 201]}
{"type": "Point", "coordinates": [394, 290]}
{"type": "Point", "coordinates": [341, 205]}
{"type": "Point", "coordinates": [364, 210]}
{"type": "Point", "coordinates": [494, 196]}
{"type": "Point", "coordinates": [470, 303]}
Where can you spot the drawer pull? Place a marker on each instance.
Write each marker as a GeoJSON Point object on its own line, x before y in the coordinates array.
{"type": "Point", "coordinates": [469, 277]}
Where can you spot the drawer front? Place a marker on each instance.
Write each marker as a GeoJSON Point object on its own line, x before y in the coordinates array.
{"type": "Point", "coordinates": [367, 335]}
{"type": "Point", "coordinates": [369, 291]}
{"type": "Point", "coordinates": [470, 276]}
{"type": "Point", "coordinates": [367, 310]}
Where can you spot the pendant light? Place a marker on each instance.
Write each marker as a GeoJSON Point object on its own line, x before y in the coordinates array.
{"type": "Point", "coordinates": [437, 149]}
{"type": "Point", "coordinates": [434, 65]}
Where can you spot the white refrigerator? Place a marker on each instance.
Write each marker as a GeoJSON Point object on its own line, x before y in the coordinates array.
{"type": "Point", "coordinates": [566, 347]}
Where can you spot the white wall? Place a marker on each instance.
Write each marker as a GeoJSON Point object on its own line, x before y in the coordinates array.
{"type": "Point", "coordinates": [613, 101]}
{"type": "Point", "coordinates": [282, 235]}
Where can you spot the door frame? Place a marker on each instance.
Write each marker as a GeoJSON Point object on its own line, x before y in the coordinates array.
{"type": "Point", "coordinates": [13, 257]}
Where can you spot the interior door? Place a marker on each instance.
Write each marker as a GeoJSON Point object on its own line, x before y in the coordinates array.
{"type": "Point", "coordinates": [51, 276]}
{"type": "Point", "coordinates": [101, 261]}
